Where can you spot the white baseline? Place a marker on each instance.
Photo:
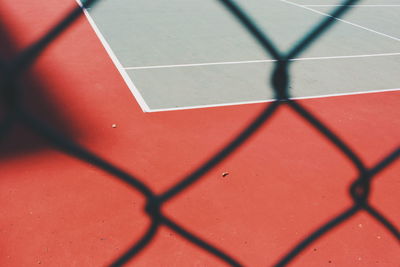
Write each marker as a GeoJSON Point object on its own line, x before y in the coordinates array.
{"type": "Point", "coordinates": [354, 5]}
{"type": "Point", "coordinates": [270, 100]}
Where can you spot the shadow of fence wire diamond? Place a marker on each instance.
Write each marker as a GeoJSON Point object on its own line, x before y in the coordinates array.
{"type": "Point", "coordinates": [359, 190]}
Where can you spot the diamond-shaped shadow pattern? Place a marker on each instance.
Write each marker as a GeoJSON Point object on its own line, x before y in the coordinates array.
{"type": "Point", "coordinates": [15, 112]}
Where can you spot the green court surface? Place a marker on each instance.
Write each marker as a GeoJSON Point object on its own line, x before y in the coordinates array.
{"type": "Point", "coordinates": [185, 54]}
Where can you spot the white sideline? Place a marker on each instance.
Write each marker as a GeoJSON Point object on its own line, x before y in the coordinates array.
{"type": "Point", "coordinates": [139, 98]}
{"type": "Point", "coordinates": [341, 20]}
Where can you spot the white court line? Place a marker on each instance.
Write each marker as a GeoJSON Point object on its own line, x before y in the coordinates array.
{"type": "Point", "coordinates": [341, 20]}
{"type": "Point", "coordinates": [139, 98]}
{"type": "Point", "coordinates": [257, 61]}
{"type": "Point", "coordinates": [270, 100]}
{"type": "Point", "coordinates": [354, 5]}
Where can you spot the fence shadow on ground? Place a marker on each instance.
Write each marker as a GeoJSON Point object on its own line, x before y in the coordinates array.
{"type": "Point", "coordinates": [16, 111]}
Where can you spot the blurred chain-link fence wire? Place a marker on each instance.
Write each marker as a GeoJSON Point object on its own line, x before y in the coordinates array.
{"type": "Point", "coordinates": [12, 70]}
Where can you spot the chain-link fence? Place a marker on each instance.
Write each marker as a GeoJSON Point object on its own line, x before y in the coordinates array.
{"type": "Point", "coordinates": [12, 70]}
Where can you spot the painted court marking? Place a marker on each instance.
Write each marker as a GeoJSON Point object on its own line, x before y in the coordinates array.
{"type": "Point", "coordinates": [128, 80]}
{"type": "Point", "coordinates": [271, 100]}
{"type": "Point", "coordinates": [145, 108]}
{"type": "Point", "coordinates": [258, 61]}
{"type": "Point", "coordinates": [341, 20]}
{"type": "Point", "coordinates": [353, 5]}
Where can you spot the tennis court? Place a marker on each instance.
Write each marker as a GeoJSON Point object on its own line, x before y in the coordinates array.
{"type": "Point", "coordinates": [147, 134]}
{"type": "Point", "coordinates": [176, 55]}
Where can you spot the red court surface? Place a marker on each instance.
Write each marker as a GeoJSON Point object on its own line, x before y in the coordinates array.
{"type": "Point", "coordinates": [283, 183]}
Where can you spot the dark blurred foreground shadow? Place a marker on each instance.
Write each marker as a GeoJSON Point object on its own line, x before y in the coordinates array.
{"type": "Point", "coordinates": [17, 140]}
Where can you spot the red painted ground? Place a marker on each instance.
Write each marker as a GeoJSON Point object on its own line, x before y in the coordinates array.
{"type": "Point", "coordinates": [286, 181]}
